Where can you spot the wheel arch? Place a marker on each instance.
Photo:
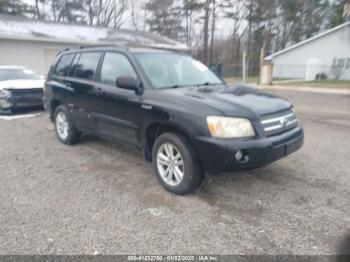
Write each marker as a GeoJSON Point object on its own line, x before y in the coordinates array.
{"type": "Point", "coordinates": [154, 130]}
{"type": "Point", "coordinates": [53, 105]}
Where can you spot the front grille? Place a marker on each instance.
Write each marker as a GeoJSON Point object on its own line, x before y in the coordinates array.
{"type": "Point", "coordinates": [26, 92]}
{"type": "Point", "coordinates": [279, 122]}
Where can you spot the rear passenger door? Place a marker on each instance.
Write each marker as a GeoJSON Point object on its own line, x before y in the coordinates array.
{"type": "Point", "coordinates": [82, 81]}
{"type": "Point", "coordinates": [117, 110]}
{"type": "Point", "coordinates": [59, 83]}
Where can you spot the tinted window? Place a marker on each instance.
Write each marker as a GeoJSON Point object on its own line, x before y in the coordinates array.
{"type": "Point", "coordinates": [64, 65]}
{"type": "Point", "coordinates": [74, 65]}
{"type": "Point", "coordinates": [115, 65]}
{"type": "Point", "coordinates": [87, 65]}
{"type": "Point", "coordinates": [167, 69]}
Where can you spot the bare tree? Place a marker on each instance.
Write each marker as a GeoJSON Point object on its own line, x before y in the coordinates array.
{"type": "Point", "coordinates": [212, 30]}
{"type": "Point", "coordinates": [236, 12]}
{"type": "Point", "coordinates": [189, 8]}
{"type": "Point", "coordinates": [164, 17]}
{"type": "Point", "coordinates": [206, 31]}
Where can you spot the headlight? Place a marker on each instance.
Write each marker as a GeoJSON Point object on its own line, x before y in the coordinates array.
{"type": "Point", "coordinates": [229, 127]}
{"type": "Point", "coordinates": [5, 93]}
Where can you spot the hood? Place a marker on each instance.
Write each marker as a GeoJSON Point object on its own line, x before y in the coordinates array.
{"type": "Point", "coordinates": [22, 84]}
{"type": "Point", "coordinates": [238, 100]}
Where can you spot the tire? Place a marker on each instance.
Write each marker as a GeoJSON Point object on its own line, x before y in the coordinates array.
{"type": "Point", "coordinates": [71, 135]}
{"type": "Point", "coordinates": [167, 165]}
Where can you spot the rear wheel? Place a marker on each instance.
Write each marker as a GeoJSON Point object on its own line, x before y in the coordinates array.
{"type": "Point", "coordinates": [175, 164]}
{"type": "Point", "coordinates": [65, 130]}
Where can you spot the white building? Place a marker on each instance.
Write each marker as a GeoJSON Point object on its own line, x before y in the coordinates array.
{"type": "Point", "coordinates": [35, 43]}
{"type": "Point", "coordinates": [327, 54]}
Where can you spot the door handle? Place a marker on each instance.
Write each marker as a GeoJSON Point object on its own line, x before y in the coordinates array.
{"type": "Point", "coordinates": [99, 91]}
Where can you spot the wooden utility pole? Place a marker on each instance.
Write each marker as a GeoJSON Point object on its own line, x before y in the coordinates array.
{"type": "Point", "coordinates": [262, 56]}
{"type": "Point", "coordinates": [244, 66]}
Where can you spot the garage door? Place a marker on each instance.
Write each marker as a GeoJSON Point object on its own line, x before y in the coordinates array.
{"type": "Point", "coordinates": [49, 55]}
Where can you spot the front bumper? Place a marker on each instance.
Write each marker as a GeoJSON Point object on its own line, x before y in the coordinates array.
{"type": "Point", "coordinates": [218, 155]}
{"type": "Point", "coordinates": [21, 101]}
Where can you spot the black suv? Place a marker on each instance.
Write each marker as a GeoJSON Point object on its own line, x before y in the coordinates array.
{"type": "Point", "coordinates": [185, 119]}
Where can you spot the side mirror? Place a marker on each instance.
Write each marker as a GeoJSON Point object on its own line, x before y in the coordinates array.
{"type": "Point", "coordinates": [129, 83]}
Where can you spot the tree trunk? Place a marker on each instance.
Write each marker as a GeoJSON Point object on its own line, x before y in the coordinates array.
{"type": "Point", "coordinates": [212, 32]}
{"type": "Point", "coordinates": [249, 35]}
{"type": "Point", "coordinates": [37, 11]}
{"type": "Point", "coordinates": [206, 32]}
{"type": "Point", "coordinates": [99, 13]}
{"type": "Point", "coordinates": [115, 13]}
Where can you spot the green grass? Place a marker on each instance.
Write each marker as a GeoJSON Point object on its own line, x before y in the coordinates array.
{"type": "Point", "coordinates": [235, 80]}
{"type": "Point", "coordinates": [275, 79]}
{"type": "Point", "coordinates": [290, 82]}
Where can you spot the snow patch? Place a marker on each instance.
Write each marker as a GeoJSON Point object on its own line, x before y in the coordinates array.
{"type": "Point", "coordinates": [11, 118]}
{"type": "Point", "coordinates": [22, 28]}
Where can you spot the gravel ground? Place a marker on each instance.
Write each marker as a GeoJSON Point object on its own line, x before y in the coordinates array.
{"type": "Point", "coordinates": [97, 197]}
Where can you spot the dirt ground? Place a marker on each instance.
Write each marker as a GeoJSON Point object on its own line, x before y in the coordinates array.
{"type": "Point", "coordinates": [103, 198]}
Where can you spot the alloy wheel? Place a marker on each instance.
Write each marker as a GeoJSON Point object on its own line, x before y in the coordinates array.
{"type": "Point", "coordinates": [62, 125]}
{"type": "Point", "coordinates": [170, 164]}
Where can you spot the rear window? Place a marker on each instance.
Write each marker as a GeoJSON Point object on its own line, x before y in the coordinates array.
{"type": "Point", "coordinates": [63, 66]}
{"type": "Point", "coordinates": [87, 65]}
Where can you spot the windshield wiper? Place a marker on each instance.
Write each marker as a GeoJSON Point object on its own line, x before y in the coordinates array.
{"type": "Point", "coordinates": [177, 86]}
{"type": "Point", "coordinates": [208, 84]}
{"type": "Point", "coordinates": [197, 85]}
{"type": "Point", "coordinates": [204, 84]}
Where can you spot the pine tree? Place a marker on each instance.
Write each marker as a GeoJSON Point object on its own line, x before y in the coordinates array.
{"type": "Point", "coordinates": [336, 16]}
{"type": "Point", "coordinates": [164, 18]}
{"type": "Point", "coordinates": [15, 7]}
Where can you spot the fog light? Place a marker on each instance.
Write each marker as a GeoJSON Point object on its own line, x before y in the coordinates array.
{"type": "Point", "coordinates": [239, 155]}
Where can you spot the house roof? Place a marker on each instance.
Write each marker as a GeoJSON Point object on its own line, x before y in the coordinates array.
{"type": "Point", "coordinates": [268, 58]}
{"type": "Point", "coordinates": [19, 28]}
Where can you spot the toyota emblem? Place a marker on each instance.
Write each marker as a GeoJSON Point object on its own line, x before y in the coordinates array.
{"type": "Point", "coordinates": [284, 121]}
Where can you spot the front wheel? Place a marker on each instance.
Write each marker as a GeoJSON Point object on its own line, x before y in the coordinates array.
{"type": "Point", "coordinates": [175, 164]}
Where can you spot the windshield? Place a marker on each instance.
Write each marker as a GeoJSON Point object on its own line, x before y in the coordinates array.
{"type": "Point", "coordinates": [174, 70]}
{"type": "Point", "coordinates": [17, 74]}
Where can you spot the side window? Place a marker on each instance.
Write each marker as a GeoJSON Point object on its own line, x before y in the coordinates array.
{"type": "Point", "coordinates": [73, 65]}
{"type": "Point", "coordinates": [64, 65]}
{"type": "Point", "coordinates": [115, 65]}
{"type": "Point", "coordinates": [87, 65]}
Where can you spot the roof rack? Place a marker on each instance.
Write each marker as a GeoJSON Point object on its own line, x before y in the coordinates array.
{"type": "Point", "coordinates": [92, 46]}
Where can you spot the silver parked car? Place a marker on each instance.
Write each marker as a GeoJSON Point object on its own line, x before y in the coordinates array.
{"type": "Point", "coordinates": [20, 88]}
